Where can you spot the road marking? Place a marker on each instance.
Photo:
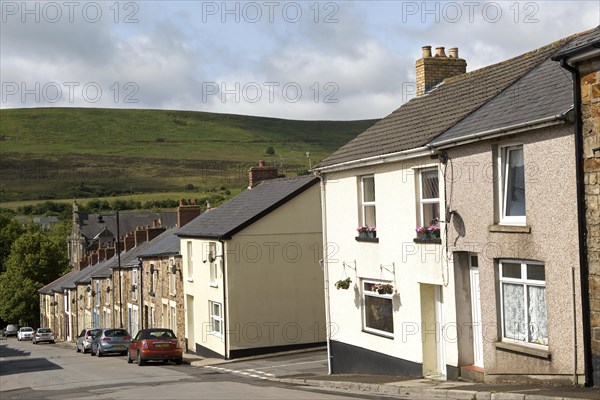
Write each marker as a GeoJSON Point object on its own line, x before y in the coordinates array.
{"type": "Point", "coordinates": [245, 373]}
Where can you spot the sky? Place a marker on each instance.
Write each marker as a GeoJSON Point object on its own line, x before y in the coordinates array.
{"type": "Point", "coordinates": [310, 60]}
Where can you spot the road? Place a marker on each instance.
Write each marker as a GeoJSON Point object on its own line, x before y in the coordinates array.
{"type": "Point", "coordinates": [46, 371]}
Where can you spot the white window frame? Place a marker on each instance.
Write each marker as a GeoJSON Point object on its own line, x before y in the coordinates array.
{"type": "Point", "coordinates": [153, 279]}
{"type": "Point", "coordinates": [173, 318]}
{"type": "Point", "coordinates": [375, 294]}
{"type": "Point", "coordinates": [364, 204]}
{"type": "Point", "coordinates": [215, 317]}
{"type": "Point", "coordinates": [213, 264]}
{"type": "Point", "coordinates": [503, 152]}
{"type": "Point", "coordinates": [172, 278]}
{"type": "Point", "coordinates": [134, 282]}
{"type": "Point", "coordinates": [152, 316]}
{"type": "Point", "coordinates": [526, 283]}
{"type": "Point", "coordinates": [423, 201]}
{"type": "Point", "coordinates": [98, 294]}
{"type": "Point", "coordinates": [190, 261]}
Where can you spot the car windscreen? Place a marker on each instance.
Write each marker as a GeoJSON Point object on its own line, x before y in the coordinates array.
{"type": "Point", "coordinates": [166, 334]}
{"type": "Point", "coordinates": [45, 330]}
{"type": "Point", "coordinates": [27, 330]}
{"type": "Point", "coordinates": [116, 333]}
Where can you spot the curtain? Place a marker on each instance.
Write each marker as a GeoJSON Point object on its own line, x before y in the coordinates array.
{"type": "Point", "coordinates": [514, 311]}
{"type": "Point", "coordinates": [538, 323]}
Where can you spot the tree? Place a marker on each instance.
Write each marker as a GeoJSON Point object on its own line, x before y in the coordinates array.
{"type": "Point", "coordinates": [34, 261]}
{"type": "Point", "coordinates": [270, 151]}
{"type": "Point", "coordinates": [10, 230]}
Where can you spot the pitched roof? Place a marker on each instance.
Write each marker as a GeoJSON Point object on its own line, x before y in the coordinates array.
{"type": "Point", "coordinates": [128, 260]}
{"type": "Point", "coordinates": [52, 286]}
{"type": "Point", "coordinates": [246, 208]}
{"type": "Point", "coordinates": [128, 222]}
{"type": "Point", "coordinates": [165, 244]}
{"type": "Point", "coordinates": [581, 43]}
{"type": "Point", "coordinates": [423, 118]}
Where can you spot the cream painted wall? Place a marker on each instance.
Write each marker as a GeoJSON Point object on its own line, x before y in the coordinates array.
{"type": "Point", "coordinates": [552, 215]}
{"type": "Point", "coordinates": [414, 263]}
{"type": "Point", "coordinates": [274, 281]}
{"type": "Point", "coordinates": [202, 293]}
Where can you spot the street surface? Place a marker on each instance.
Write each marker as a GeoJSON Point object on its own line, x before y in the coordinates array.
{"type": "Point", "coordinates": [57, 372]}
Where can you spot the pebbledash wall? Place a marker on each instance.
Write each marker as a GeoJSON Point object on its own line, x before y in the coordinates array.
{"type": "Point", "coordinates": [416, 270]}
{"type": "Point", "coordinates": [590, 110]}
{"type": "Point", "coordinates": [550, 237]}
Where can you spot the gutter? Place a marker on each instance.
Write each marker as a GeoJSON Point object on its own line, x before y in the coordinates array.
{"type": "Point", "coordinates": [582, 236]}
{"type": "Point", "coordinates": [524, 126]}
{"type": "Point", "coordinates": [380, 159]}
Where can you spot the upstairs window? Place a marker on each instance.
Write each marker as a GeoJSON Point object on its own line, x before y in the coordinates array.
{"type": "Point", "coordinates": [512, 185]}
{"type": "Point", "coordinates": [428, 199]}
{"type": "Point", "coordinates": [213, 264]}
{"type": "Point", "coordinates": [134, 284]}
{"type": "Point", "coordinates": [190, 262]}
{"type": "Point", "coordinates": [172, 272]}
{"type": "Point", "coordinates": [367, 202]}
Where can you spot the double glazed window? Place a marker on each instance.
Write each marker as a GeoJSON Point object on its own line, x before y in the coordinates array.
{"type": "Point", "coordinates": [429, 197]}
{"type": "Point", "coordinates": [512, 185]}
{"type": "Point", "coordinates": [216, 318]}
{"type": "Point", "coordinates": [214, 266]}
{"type": "Point", "coordinates": [367, 201]}
{"type": "Point", "coordinates": [190, 261]}
{"type": "Point", "coordinates": [523, 302]}
{"type": "Point", "coordinates": [378, 311]}
{"type": "Point", "coordinates": [172, 276]}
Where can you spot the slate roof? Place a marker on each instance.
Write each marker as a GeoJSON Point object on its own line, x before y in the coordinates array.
{"type": "Point", "coordinates": [165, 244]}
{"type": "Point", "coordinates": [423, 118]}
{"type": "Point", "coordinates": [129, 259]}
{"type": "Point", "coordinates": [583, 42]}
{"type": "Point", "coordinates": [50, 288]}
{"type": "Point", "coordinates": [128, 222]}
{"type": "Point", "coordinates": [246, 208]}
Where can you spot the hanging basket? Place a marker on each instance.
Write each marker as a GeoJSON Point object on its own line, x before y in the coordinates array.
{"type": "Point", "coordinates": [343, 284]}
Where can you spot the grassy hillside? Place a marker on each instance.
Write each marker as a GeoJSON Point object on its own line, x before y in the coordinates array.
{"type": "Point", "coordinates": [53, 153]}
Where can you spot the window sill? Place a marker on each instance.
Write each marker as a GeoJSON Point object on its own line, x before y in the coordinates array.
{"type": "Point", "coordinates": [524, 349]}
{"type": "Point", "coordinates": [215, 285]}
{"type": "Point", "coordinates": [380, 334]}
{"type": "Point", "coordinates": [434, 241]}
{"type": "Point", "coordinates": [510, 228]}
{"type": "Point", "coordinates": [190, 279]}
{"type": "Point", "coordinates": [366, 239]}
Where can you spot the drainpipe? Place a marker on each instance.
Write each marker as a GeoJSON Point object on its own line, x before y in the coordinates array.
{"type": "Point", "coordinates": [224, 320]}
{"type": "Point", "coordinates": [326, 270]}
{"type": "Point", "coordinates": [119, 268]}
{"type": "Point", "coordinates": [141, 289]}
{"type": "Point", "coordinates": [583, 264]}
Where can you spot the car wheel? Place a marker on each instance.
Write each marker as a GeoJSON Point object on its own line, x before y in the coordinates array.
{"type": "Point", "coordinates": [52, 342]}
{"type": "Point", "coordinates": [129, 360]}
{"type": "Point", "coordinates": [179, 361]}
{"type": "Point", "coordinates": [77, 348]}
{"type": "Point", "coordinates": [99, 352]}
{"type": "Point", "coordinates": [92, 352]}
{"type": "Point", "coordinates": [140, 360]}
{"type": "Point", "coordinates": [34, 342]}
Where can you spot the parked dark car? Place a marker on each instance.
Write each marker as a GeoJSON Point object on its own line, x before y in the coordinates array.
{"type": "Point", "coordinates": [110, 341]}
{"type": "Point", "coordinates": [43, 335]}
{"type": "Point", "coordinates": [84, 340]}
{"type": "Point", "coordinates": [155, 344]}
{"type": "Point", "coordinates": [11, 330]}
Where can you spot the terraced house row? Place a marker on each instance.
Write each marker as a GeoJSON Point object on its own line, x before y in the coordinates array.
{"type": "Point", "coordinates": [458, 237]}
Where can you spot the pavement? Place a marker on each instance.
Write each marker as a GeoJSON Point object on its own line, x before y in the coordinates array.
{"type": "Point", "coordinates": [399, 385]}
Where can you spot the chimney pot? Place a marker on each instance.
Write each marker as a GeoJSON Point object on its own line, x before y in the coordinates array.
{"type": "Point", "coordinates": [439, 51]}
{"type": "Point", "coordinates": [453, 52]}
{"type": "Point", "coordinates": [430, 71]}
{"type": "Point", "coordinates": [261, 163]}
{"type": "Point", "coordinates": [426, 51]}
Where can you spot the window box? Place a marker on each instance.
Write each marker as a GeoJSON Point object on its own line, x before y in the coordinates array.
{"type": "Point", "coordinates": [367, 239]}
{"type": "Point", "coordinates": [428, 240]}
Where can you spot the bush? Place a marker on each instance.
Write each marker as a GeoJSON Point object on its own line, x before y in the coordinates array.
{"type": "Point", "coordinates": [270, 151]}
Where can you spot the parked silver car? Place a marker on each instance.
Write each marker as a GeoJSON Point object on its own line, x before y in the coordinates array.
{"type": "Point", "coordinates": [110, 341]}
{"type": "Point", "coordinates": [84, 340]}
{"type": "Point", "coordinates": [43, 335]}
{"type": "Point", "coordinates": [25, 333]}
{"type": "Point", "coordinates": [11, 330]}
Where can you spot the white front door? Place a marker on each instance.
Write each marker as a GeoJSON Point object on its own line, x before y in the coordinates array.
{"type": "Point", "coordinates": [439, 323]}
{"type": "Point", "coordinates": [476, 313]}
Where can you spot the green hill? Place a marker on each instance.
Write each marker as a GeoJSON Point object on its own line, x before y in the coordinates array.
{"type": "Point", "coordinates": [49, 153]}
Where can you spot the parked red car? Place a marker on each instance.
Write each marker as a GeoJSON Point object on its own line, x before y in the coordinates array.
{"type": "Point", "coordinates": [157, 344]}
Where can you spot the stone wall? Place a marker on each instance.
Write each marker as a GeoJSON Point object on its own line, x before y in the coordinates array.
{"type": "Point", "coordinates": [590, 110]}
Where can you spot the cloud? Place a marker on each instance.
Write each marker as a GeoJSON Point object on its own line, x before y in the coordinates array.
{"type": "Point", "coordinates": [349, 59]}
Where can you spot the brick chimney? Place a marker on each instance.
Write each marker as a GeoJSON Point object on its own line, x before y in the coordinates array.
{"type": "Point", "coordinates": [140, 235]}
{"type": "Point", "coordinates": [433, 70]}
{"type": "Point", "coordinates": [129, 242]}
{"type": "Point", "coordinates": [110, 252]}
{"type": "Point", "coordinates": [102, 253]}
{"type": "Point", "coordinates": [260, 173]}
{"type": "Point", "coordinates": [187, 211]}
